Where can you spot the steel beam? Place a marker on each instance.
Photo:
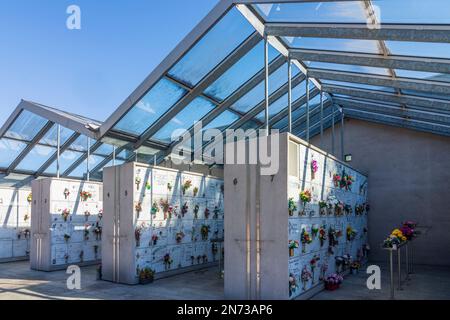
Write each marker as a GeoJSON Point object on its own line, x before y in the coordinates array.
{"type": "Point", "coordinates": [83, 157]}
{"type": "Point", "coordinates": [391, 32]}
{"type": "Point", "coordinates": [105, 161]}
{"type": "Point", "coordinates": [374, 60]}
{"type": "Point", "coordinates": [378, 80]}
{"type": "Point", "coordinates": [312, 112]}
{"type": "Point", "coordinates": [407, 113]}
{"type": "Point", "coordinates": [430, 103]}
{"type": "Point", "coordinates": [46, 128]}
{"type": "Point", "coordinates": [215, 74]}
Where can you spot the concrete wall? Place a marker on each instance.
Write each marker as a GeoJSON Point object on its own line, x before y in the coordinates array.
{"type": "Point", "coordinates": [409, 178]}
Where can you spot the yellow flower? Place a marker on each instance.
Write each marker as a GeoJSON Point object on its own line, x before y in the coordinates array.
{"type": "Point", "coordinates": [403, 238]}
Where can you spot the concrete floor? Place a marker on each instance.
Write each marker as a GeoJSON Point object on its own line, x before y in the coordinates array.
{"type": "Point", "coordinates": [17, 281]}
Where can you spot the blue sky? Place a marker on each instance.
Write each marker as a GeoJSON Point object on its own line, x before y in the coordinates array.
{"type": "Point", "coordinates": [89, 71]}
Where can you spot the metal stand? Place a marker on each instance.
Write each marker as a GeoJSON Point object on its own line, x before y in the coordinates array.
{"type": "Point", "coordinates": [399, 264]}
{"type": "Point", "coordinates": [391, 269]}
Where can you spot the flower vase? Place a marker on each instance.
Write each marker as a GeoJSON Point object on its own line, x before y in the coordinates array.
{"type": "Point", "coordinates": [303, 247]}
{"type": "Point", "coordinates": [291, 252]}
{"type": "Point", "coordinates": [312, 272]}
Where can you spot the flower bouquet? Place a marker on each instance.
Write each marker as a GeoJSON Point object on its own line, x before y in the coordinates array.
{"type": "Point", "coordinates": [336, 179]}
{"type": "Point", "coordinates": [146, 276]}
{"type": "Point", "coordinates": [207, 213]}
{"type": "Point", "coordinates": [167, 208]}
{"type": "Point", "coordinates": [179, 237]}
{"type": "Point", "coordinates": [323, 208]}
{"type": "Point", "coordinates": [347, 182]}
{"type": "Point", "coordinates": [291, 207]}
{"type": "Point", "coordinates": [148, 186]}
{"type": "Point", "coordinates": [293, 244]}
{"type": "Point", "coordinates": [339, 209]}
{"type": "Point", "coordinates": [184, 209]}
{"type": "Point", "coordinates": [348, 209]}
{"type": "Point", "coordinates": [186, 186]}
{"type": "Point", "coordinates": [305, 239]}
{"type": "Point", "coordinates": [305, 197]}
{"type": "Point", "coordinates": [333, 281]}
{"type": "Point", "coordinates": [86, 232]}
{"type": "Point", "coordinates": [204, 231]}
{"type": "Point", "coordinates": [138, 208]}
{"type": "Point", "coordinates": [30, 198]}
{"type": "Point", "coordinates": [293, 286]}
{"type": "Point", "coordinates": [87, 214]}
{"type": "Point", "coordinates": [195, 191]}
{"type": "Point", "coordinates": [313, 265]}
{"type": "Point", "coordinates": [332, 201]}
{"type": "Point", "coordinates": [351, 233]}
{"type": "Point", "coordinates": [169, 187]}
{"type": "Point", "coordinates": [65, 214]}
{"type": "Point", "coordinates": [137, 182]}
{"type": "Point", "coordinates": [314, 231]}
{"type": "Point", "coordinates": [322, 235]}
{"type": "Point", "coordinates": [155, 239]}
{"type": "Point", "coordinates": [167, 261]}
{"type": "Point", "coordinates": [85, 195]}
{"type": "Point", "coordinates": [137, 236]}
{"type": "Point", "coordinates": [306, 276]}
{"type": "Point", "coordinates": [314, 169]}
{"type": "Point", "coordinates": [98, 232]}
{"type": "Point", "coordinates": [216, 212]}
{"type": "Point", "coordinates": [155, 208]}
{"type": "Point", "coordinates": [196, 210]}
{"type": "Point", "coordinates": [66, 237]}
{"type": "Point", "coordinates": [66, 193]}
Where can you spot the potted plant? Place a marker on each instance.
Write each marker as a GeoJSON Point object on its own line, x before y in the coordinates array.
{"type": "Point", "coordinates": [146, 276]}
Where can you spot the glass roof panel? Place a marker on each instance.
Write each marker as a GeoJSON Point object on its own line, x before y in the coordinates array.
{"type": "Point", "coordinates": [104, 150]}
{"type": "Point", "coordinates": [124, 154]}
{"type": "Point", "coordinates": [414, 11]}
{"type": "Point", "coordinates": [223, 121]}
{"type": "Point", "coordinates": [358, 85]}
{"type": "Point", "coordinates": [299, 112]}
{"type": "Point", "coordinates": [26, 126]}
{"type": "Point", "coordinates": [81, 144]}
{"type": "Point", "coordinates": [338, 12]}
{"type": "Point", "coordinates": [282, 103]}
{"type": "Point", "coordinates": [36, 158]}
{"type": "Point", "coordinates": [241, 72]}
{"type": "Point", "coordinates": [185, 119]}
{"type": "Point", "coordinates": [420, 49]}
{"type": "Point", "coordinates": [250, 124]}
{"type": "Point", "coordinates": [256, 95]}
{"type": "Point", "coordinates": [51, 137]}
{"type": "Point", "coordinates": [80, 171]}
{"type": "Point", "coordinates": [67, 158]}
{"type": "Point", "coordinates": [347, 45]}
{"type": "Point", "coordinates": [9, 150]}
{"type": "Point", "coordinates": [348, 68]}
{"type": "Point", "coordinates": [151, 107]}
{"type": "Point", "coordinates": [214, 47]}
{"type": "Point", "coordinates": [423, 75]}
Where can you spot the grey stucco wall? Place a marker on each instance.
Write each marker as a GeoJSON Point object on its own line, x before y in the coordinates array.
{"type": "Point", "coordinates": [409, 178]}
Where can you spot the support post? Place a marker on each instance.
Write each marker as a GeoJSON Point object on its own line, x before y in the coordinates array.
{"type": "Point", "coordinates": [114, 156]}
{"type": "Point", "coordinates": [88, 158]}
{"type": "Point", "coordinates": [58, 151]}
{"type": "Point", "coordinates": [342, 134]}
{"type": "Point", "coordinates": [307, 108]}
{"type": "Point", "coordinates": [391, 271]}
{"type": "Point", "coordinates": [266, 83]}
{"type": "Point", "coordinates": [332, 129]}
{"type": "Point", "coordinates": [289, 95]}
{"type": "Point", "coordinates": [399, 265]}
{"type": "Point", "coordinates": [321, 118]}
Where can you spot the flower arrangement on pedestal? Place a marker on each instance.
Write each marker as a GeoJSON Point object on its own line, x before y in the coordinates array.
{"type": "Point", "coordinates": [291, 206]}
{"type": "Point", "coordinates": [305, 239]}
{"type": "Point", "coordinates": [313, 265]}
{"type": "Point", "coordinates": [306, 276]}
{"type": "Point", "coordinates": [333, 281]}
{"type": "Point", "coordinates": [195, 191]}
{"type": "Point", "coordinates": [305, 198]}
{"type": "Point", "coordinates": [137, 182]}
{"type": "Point", "coordinates": [138, 208]}
{"type": "Point", "coordinates": [196, 210]}
{"type": "Point", "coordinates": [179, 237]}
{"type": "Point", "coordinates": [146, 276]}
{"type": "Point", "coordinates": [293, 286]}
{"type": "Point", "coordinates": [65, 214]}
{"type": "Point", "coordinates": [293, 244]}
{"type": "Point", "coordinates": [66, 193]}
{"type": "Point", "coordinates": [351, 233]}
{"type": "Point", "coordinates": [204, 231]}
{"type": "Point", "coordinates": [322, 235]}
{"type": "Point", "coordinates": [314, 169]}
{"type": "Point", "coordinates": [30, 198]}
{"type": "Point", "coordinates": [167, 261]}
{"type": "Point", "coordinates": [186, 186]}
{"type": "Point", "coordinates": [395, 238]}
{"type": "Point", "coordinates": [184, 209]}
{"type": "Point", "coordinates": [323, 206]}
{"type": "Point", "coordinates": [85, 195]}
{"type": "Point", "coordinates": [408, 229]}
